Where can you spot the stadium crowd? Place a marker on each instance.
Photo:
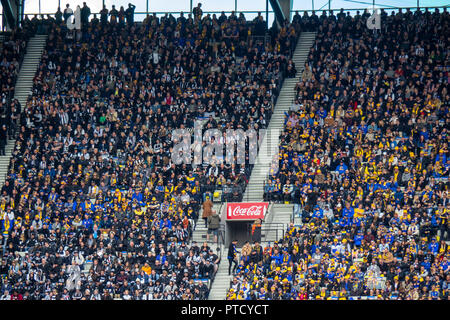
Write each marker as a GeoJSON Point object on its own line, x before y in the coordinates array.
{"type": "Point", "coordinates": [12, 51]}
{"type": "Point", "coordinates": [91, 182]}
{"type": "Point", "coordinates": [364, 158]}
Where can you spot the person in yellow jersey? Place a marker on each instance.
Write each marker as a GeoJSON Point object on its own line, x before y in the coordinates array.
{"type": "Point", "coordinates": [388, 128]}
{"type": "Point", "coordinates": [359, 211]}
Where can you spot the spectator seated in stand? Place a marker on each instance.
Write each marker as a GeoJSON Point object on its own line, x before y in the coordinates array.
{"type": "Point", "coordinates": [93, 206]}
{"type": "Point", "coordinates": [366, 150]}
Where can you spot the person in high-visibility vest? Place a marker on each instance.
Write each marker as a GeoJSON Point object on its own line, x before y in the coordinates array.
{"type": "Point", "coordinates": [256, 230]}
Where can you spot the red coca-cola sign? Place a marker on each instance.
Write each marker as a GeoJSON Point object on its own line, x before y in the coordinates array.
{"type": "Point", "coordinates": [246, 210]}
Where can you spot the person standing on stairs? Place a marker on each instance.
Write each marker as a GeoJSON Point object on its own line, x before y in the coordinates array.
{"type": "Point", "coordinates": [232, 256]}
{"type": "Point", "coordinates": [3, 139]}
{"type": "Point", "coordinates": [213, 225]}
{"type": "Point", "coordinates": [207, 210]}
{"type": "Point", "coordinates": [13, 117]}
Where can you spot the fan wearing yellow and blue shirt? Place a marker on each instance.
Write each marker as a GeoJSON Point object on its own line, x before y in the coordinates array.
{"type": "Point", "coordinates": [190, 179]}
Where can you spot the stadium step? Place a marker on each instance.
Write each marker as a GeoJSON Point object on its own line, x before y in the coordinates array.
{"type": "Point", "coordinates": [276, 223]}
{"type": "Point", "coordinates": [23, 86]}
{"type": "Point", "coordinates": [4, 161]}
{"type": "Point", "coordinates": [221, 282]}
{"type": "Point", "coordinates": [273, 230]}
{"type": "Point", "coordinates": [268, 152]}
{"type": "Point", "coordinates": [199, 234]}
{"type": "Point", "coordinates": [30, 64]}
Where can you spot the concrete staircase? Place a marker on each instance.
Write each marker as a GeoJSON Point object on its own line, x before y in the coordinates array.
{"type": "Point", "coordinates": [199, 234]}
{"type": "Point", "coordinates": [221, 282]}
{"type": "Point", "coordinates": [4, 161]}
{"type": "Point", "coordinates": [23, 87]}
{"type": "Point", "coordinates": [301, 52]}
{"type": "Point", "coordinates": [268, 153]}
{"type": "Point", "coordinates": [273, 230]}
{"type": "Point", "coordinates": [276, 223]}
{"type": "Point", "coordinates": [298, 219]}
{"type": "Point", "coordinates": [29, 67]}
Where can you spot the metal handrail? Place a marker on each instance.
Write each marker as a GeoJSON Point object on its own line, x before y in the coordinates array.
{"type": "Point", "coordinates": [157, 13]}
{"type": "Point", "coordinates": [150, 12]}
{"type": "Point", "coordinates": [220, 243]}
{"type": "Point", "coordinates": [300, 11]}
{"type": "Point", "coordinates": [220, 233]}
{"type": "Point", "coordinates": [392, 8]}
{"type": "Point", "coordinates": [221, 238]}
{"type": "Point", "coordinates": [268, 227]}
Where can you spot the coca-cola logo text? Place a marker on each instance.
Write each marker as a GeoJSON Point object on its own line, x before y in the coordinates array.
{"type": "Point", "coordinates": [246, 210]}
{"type": "Point", "coordinates": [252, 211]}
